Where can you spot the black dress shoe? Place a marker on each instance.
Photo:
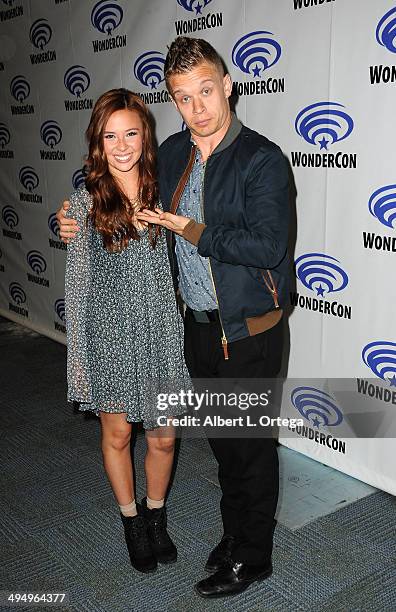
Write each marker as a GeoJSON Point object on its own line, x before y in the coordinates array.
{"type": "Point", "coordinates": [160, 541]}
{"type": "Point", "coordinates": [221, 554]}
{"type": "Point", "coordinates": [232, 580]}
{"type": "Point", "coordinates": [136, 536]}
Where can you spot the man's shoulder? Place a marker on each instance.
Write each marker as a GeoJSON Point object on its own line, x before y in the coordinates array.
{"type": "Point", "coordinates": [174, 140]}
{"type": "Point", "coordinates": [254, 141]}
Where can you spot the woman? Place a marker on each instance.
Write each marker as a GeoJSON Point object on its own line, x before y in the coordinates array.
{"type": "Point", "coordinates": [123, 329]}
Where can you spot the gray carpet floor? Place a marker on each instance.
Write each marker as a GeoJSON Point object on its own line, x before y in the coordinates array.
{"type": "Point", "coordinates": [60, 530]}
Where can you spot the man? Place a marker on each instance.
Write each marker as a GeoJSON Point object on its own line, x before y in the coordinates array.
{"type": "Point", "coordinates": [224, 190]}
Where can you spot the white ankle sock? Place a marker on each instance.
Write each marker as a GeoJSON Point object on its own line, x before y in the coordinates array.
{"type": "Point", "coordinates": [129, 509]}
{"type": "Point", "coordinates": [155, 503]}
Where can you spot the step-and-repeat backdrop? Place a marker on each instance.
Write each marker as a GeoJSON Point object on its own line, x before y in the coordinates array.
{"type": "Point", "coordinates": [316, 76]}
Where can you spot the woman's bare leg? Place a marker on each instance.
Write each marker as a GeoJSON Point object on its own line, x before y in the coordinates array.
{"type": "Point", "coordinates": [159, 461]}
{"type": "Point", "coordinates": [116, 437]}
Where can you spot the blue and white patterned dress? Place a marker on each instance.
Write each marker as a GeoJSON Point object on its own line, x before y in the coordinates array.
{"type": "Point", "coordinates": [124, 330]}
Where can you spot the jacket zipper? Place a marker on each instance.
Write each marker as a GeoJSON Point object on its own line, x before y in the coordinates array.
{"type": "Point", "coordinates": [271, 287]}
{"type": "Point", "coordinates": [224, 341]}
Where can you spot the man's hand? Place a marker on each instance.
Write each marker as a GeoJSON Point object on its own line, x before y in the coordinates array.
{"type": "Point", "coordinates": [175, 223]}
{"type": "Point", "coordinates": [68, 228]}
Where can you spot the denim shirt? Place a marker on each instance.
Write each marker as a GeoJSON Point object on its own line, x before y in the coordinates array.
{"type": "Point", "coordinates": [195, 282]}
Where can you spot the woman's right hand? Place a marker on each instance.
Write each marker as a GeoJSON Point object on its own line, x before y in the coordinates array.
{"type": "Point", "coordinates": [68, 228]}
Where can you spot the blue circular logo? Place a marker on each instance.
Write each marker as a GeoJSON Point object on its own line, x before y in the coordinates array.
{"type": "Point", "coordinates": [40, 33]}
{"type": "Point", "coordinates": [59, 307]}
{"type": "Point", "coordinates": [17, 293]}
{"type": "Point", "coordinates": [194, 5]}
{"type": "Point", "coordinates": [78, 178]}
{"type": "Point", "coordinates": [382, 205]}
{"type": "Point", "coordinates": [316, 406]}
{"type": "Point", "coordinates": [149, 69]}
{"type": "Point", "coordinates": [319, 272]}
{"type": "Point", "coordinates": [19, 88]}
{"type": "Point", "coordinates": [386, 31]}
{"type": "Point", "coordinates": [380, 357]}
{"type": "Point", "coordinates": [323, 123]}
{"type": "Point", "coordinates": [77, 80]}
{"type": "Point", "coordinates": [50, 133]}
{"type": "Point", "coordinates": [5, 135]}
{"type": "Point", "coordinates": [106, 16]}
{"type": "Point", "coordinates": [36, 261]}
{"type": "Point", "coordinates": [28, 178]}
{"type": "Point", "coordinates": [53, 224]}
{"type": "Point", "coordinates": [10, 216]}
{"type": "Point", "coordinates": [256, 52]}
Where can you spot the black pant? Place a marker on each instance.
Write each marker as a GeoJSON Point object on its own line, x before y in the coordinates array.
{"type": "Point", "coordinates": [248, 467]}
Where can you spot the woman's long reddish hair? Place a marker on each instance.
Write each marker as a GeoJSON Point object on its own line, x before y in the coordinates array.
{"type": "Point", "coordinates": [109, 213]}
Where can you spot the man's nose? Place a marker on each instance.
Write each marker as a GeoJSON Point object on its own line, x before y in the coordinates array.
{"type": "Point", "coordinates": [198, 106]}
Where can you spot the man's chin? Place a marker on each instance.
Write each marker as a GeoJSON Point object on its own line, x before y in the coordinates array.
{"type": "Point", "coordinates": [203, 130]}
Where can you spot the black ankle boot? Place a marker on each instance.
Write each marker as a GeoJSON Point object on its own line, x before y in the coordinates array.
{"type": "Point", "coordinates": [136, 536]}
{"type": "Point", "coordinates": [161, 544]}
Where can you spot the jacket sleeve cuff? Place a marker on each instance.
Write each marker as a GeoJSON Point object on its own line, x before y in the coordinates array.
{"type": "Point", "coordinates": [193, 231]}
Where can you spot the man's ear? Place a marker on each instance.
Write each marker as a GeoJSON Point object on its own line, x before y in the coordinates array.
{"type": "Point", "coordinates": [227, 84]}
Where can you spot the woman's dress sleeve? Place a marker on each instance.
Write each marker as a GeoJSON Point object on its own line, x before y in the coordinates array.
{"type": "Point", "coordinates": [77, 289]}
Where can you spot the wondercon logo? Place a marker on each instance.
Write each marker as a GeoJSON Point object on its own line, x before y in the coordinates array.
{"type": "Point", "coordinates": [323, 123]}
{"type": "Point", "coordinates": [17, 293]}
{"type": "Point", "coordinates": [319, 272]}
{"type": "Point", "coordinates": [149, 69]}
{"type": "Point", "coordinates": [106, 16]}
{"type": "Point", "coordinates": [78, 178]}
{"type": "Point", "coordinates": [53, 224]}
{"type": "Point", "coordinates": [19, 88]}
{"type": "Point", "coordinates": [316, 406]}
{"type": "Point", "coordinates": [5, 135]}
{"type": "Point", "coordinates": [194, 5]}
{"type": "Point", "coordinates": [382, 204]}
{"type": "Point", "coordinates": [36, 261]}
{"type": "Point", "coordinates": [386, 31]}
{"type": "Point", "coordinates": [40, 33]}
{"type": "Point", "coordinates": [28, 178]}
{"type": "Point", "coordinates": [380, 357]}
{"type": "Point", "coordinates": [59, 307]}
{"type": "Point", "coordinates": [256, 52]}
{"type": "Point", "coordinates": [10, 216]}
{"type": "Point", "coordinates": [50, 133]}
{"type": "Point", "coordinates": [77, 80]}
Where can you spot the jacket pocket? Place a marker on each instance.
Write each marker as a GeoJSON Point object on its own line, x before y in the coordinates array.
{"type": "Point", "coordinates": [267, 278]}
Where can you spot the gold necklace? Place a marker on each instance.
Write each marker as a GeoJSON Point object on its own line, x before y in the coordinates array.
{"type": "Point", "coordinates": [132, 204]}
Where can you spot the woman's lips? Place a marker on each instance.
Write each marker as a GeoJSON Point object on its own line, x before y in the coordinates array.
{"type": "Point", "coordinates": [123, 159]}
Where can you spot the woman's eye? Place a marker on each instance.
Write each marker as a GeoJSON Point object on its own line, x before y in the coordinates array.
{"type": "Point", "coordinates": [132, 133]}
{"type": "Point", "coordinates": [206, 92]}
{"type": "Point", "coordinates": [185, 99]}
{"type": "Point", "coordinates": [108, 136]}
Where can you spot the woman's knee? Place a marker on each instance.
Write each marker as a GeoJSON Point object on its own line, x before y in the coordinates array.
{"type": "Point", "coordinates": [116, 435]}
{"type": "Point", "coordinates": [120, 439]}
{"type": "Point", "coordinates": [161, 444]}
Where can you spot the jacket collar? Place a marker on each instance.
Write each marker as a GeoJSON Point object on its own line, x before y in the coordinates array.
{"type": "Point", "coordinates": [231, 134]}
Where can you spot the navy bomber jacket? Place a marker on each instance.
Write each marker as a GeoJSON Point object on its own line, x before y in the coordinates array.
{"type": "Point", "coordinates": [245, 230]}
